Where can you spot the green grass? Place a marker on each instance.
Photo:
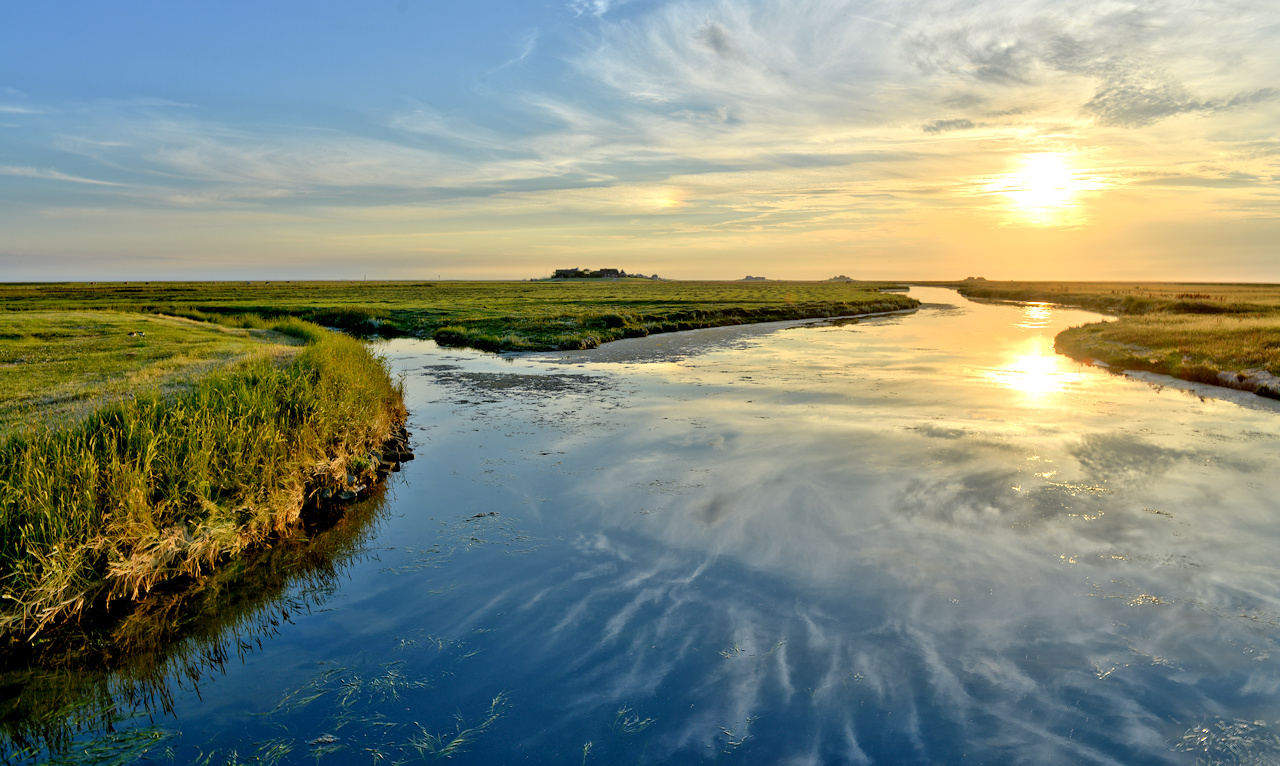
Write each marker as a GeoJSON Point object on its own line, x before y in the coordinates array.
{"type": "Point", "coordinates": [57, 365]}
{"type": "Point", "coordinates": [496, 316]}
{"type": "Point", "coordinates": [1210, 333]}
{"type": "Point", "coordinates": [163, 483]}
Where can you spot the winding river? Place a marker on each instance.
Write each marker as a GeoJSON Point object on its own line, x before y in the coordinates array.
{"type": "Point", "coordinates": [919, 538]}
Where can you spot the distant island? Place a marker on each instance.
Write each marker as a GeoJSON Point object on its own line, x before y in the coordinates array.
{"type": "Point", "coordinates": [597, 274]}
{"type": "Point", "coordinates": [749, 278]}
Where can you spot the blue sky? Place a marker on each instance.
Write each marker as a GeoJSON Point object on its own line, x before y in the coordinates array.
{"type": "Point", "coordinates": [695, 139]}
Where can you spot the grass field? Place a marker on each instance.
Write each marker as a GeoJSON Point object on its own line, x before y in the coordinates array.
{"type": "Point", "coordinates": [495, 316]}
{"type": "Point", "coordinates": [1224, 334]}
{"type": "Point", "coordinates": [56, 365]}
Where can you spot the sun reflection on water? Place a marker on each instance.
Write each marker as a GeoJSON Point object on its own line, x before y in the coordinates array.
{"type": "Point", "coordinates": [1037, 370]}
{"type": "Point", "coordinates": [1036, 316]}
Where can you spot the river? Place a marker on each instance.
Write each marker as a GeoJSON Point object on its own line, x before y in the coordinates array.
{"type": "Point", "coordinates": [917, 538]}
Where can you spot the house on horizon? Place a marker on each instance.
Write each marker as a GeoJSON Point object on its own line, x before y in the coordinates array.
{"type": "Point", "coordinates": [577, 273]}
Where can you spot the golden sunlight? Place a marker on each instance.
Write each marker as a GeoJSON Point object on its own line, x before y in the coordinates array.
{"type": "Point", "coordinates": [1044, 190]}
{"type": "Point", "coordinates": [1035, 316]}
{"type": "Point", "coordinates": [1036, 371]}
{"type": "Point", "coordinates": [669, 199]}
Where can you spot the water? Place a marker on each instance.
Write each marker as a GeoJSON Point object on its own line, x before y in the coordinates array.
{"type": "Point", "coordinates": [911, 539]}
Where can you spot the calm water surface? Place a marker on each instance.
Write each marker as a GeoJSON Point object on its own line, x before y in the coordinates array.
{"type": "Point", "coordinates": [912, 539]}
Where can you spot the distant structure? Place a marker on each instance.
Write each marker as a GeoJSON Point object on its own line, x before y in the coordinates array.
{"type": "Point", "coordinates": [597, 274]}
{"type": "Point", "coordinates": [749, 278]}
{"type": "Point", "coordinates": [840, 278]}
{"type": "Point", "coordinates": [975, 279]}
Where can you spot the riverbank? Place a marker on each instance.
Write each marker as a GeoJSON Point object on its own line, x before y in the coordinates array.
{"type": "Point", "coordinates": [490, 316]}
{"type": "Point", "coordinates": [1219, 334]}
{"type": "Point", "coordinates": [164, 484]}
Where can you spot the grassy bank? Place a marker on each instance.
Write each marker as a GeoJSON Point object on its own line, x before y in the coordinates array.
{"type": "Point", "coordinates": [496, 316]}
{"type": "Point", "coordinates": [1222, 334]}
{"type": "Point", "coordinates": [167, 483]}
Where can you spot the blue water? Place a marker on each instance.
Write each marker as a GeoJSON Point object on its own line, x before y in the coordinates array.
{"type": "Point", "coordinates": [919, 538]}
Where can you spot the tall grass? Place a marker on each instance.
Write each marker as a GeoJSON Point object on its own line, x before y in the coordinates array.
{"type": "Point", "coordinates": [157, 486]}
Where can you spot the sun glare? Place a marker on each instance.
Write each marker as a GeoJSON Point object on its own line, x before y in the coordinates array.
{"type": "Point", "coordinates": [1044, 190]}
{"type": "Point", "coordinates": [1035, 370]}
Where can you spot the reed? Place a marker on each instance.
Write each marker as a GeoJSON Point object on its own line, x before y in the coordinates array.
{"type": "Point", "coordinates": [159, 485]}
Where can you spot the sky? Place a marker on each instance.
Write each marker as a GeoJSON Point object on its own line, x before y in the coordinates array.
{"type": "Point", "coordinates": [694, 139]}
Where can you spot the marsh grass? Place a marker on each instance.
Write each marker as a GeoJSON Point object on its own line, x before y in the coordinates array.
{"type": "Point", "coordinates": [494, 316]}
{"type": "Point", "coordinates": [163, 484]}
{"type": "Point", "coordinates": [1194, 347]}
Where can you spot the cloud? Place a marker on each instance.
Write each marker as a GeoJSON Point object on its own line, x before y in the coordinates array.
{"type": "Point", "coordinates": [718, 39]}
{"type": "Point", "coordinates": [743, 107]}
{"type": "Point", "coordinates": [51, 175]}
{"type": "Point", "coordinates": [946, 126]}
{"type": "Point", "coordinates": [590, 7]}
{"type": "Point", "coordinates": [528, 42]}
{"type": "Point", "coordinates": [1226, 181]}
{"type": "Point", "coordinates": [1136, 104]}
{"type": "Point", "coordinates": [192, 161]}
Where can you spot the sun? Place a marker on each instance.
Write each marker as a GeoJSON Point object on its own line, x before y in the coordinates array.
{"type": "Point", "coordinates": [1045, 181]}
{"type": "Point", "coordinates": [1044, 190]}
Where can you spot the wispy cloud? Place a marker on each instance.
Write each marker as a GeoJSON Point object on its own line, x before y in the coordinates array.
{"type": "Point", "coordinates": [593, 7]}
{"type": "Point", "coordinates": [946, 126]}
{"type": "Point", "coordinates": [842, 62]}
{"type": "Point", "coordinates": [1134, 104]}
{"type": "Point", "coordinates": [51, 175]}
{"type": "Point", "coordinates": [524, 48]}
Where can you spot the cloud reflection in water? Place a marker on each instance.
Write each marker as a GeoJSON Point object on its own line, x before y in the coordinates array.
{"type": "Point", "coordinates": [987, 564]}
